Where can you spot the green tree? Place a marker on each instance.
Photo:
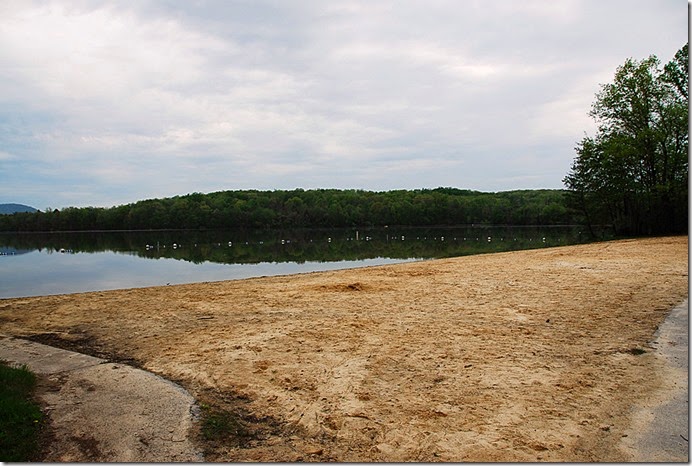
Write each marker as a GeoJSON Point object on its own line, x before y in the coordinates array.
{"type": "Point", "coordinates": [633, 173]}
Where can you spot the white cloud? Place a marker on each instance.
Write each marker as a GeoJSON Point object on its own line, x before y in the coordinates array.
{"type": "Point", "coordinates": [151, 99]}
{"type": "Point", "coordinates": [76, 54]}
{"type": "Point", "coordinates": [6, 156]}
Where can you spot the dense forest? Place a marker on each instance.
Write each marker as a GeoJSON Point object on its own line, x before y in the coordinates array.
{"type": "Point", "coordinates": [320, 208]}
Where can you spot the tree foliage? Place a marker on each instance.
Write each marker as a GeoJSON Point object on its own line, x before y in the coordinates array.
{"type": "Point", "coordinates": [320, 208]}
{"type": "Point", "coordinates": [634, 172]}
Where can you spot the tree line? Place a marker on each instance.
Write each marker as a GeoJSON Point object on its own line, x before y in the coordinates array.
{"type": "Point", "coordinates": [318, 208]}
{"type": "Point", "coordinates": [633, 174]}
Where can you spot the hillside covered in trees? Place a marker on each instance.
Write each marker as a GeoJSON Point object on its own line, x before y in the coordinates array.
{"type": "Point", "coordinates": [318, 208]}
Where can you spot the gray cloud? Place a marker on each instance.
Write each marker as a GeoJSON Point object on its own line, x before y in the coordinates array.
{"type": "Point", "coordinates": [106, 103]}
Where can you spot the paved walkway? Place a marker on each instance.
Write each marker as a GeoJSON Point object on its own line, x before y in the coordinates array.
{"type": "Point", "coordinates": [665, 433]}
{"type": "Point", "coordinates": [101, 411]}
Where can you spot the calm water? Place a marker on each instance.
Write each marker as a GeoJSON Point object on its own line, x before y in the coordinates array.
{"type": "Point", "coordinates": [44, 264]}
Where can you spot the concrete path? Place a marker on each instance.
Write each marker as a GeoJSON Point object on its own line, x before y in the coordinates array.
{"type": "Point", "coordinates": [107, 412]}
{"type": "Point", "coordinates": [664, 434]}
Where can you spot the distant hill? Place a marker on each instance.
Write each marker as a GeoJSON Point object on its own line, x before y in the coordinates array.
{"type": "Point", "coordinates": [314, 208]}
{"type": "Point", "coordinates": [12, 208]}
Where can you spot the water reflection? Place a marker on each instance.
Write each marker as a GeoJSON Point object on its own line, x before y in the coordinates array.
{"type": "Point", "coordinates": [39, 264]}
{"type": "Point", "coordinates": [255, 246]}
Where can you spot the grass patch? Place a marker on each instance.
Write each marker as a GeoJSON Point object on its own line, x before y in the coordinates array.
{"type": "Point", "coordinates": [224, 422]}
{"type": "Point", "coordinates": [20, 417]}
{"type": "Point", "coordinates": [218, 424]}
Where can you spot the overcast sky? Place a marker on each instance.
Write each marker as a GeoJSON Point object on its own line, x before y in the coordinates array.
{"type": "Point", "coordinates": [106, 103]}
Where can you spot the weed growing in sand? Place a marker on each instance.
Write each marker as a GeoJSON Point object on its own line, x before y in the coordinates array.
{"type": "Point", "coordinates": [218, 424]}
{"type": "Point", "coordinates": [20, 417]}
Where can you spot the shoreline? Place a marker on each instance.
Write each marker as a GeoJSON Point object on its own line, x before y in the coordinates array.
{"type": "Point", "coordinates": [531, 355]}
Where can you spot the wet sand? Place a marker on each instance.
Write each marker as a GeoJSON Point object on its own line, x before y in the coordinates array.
{"type": "Point", "coordinates": [522, 356]}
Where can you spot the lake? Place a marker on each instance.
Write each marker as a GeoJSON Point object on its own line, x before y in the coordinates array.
{"type": "Point", "coordinates": [58, 263]}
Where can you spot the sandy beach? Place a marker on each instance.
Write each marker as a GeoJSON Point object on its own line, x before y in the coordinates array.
{"type": "Point", "coordinates": [535, 355]}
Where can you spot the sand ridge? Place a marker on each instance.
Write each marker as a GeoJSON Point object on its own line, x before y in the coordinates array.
{"type": "Point", "coordinates": [521, 356]}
